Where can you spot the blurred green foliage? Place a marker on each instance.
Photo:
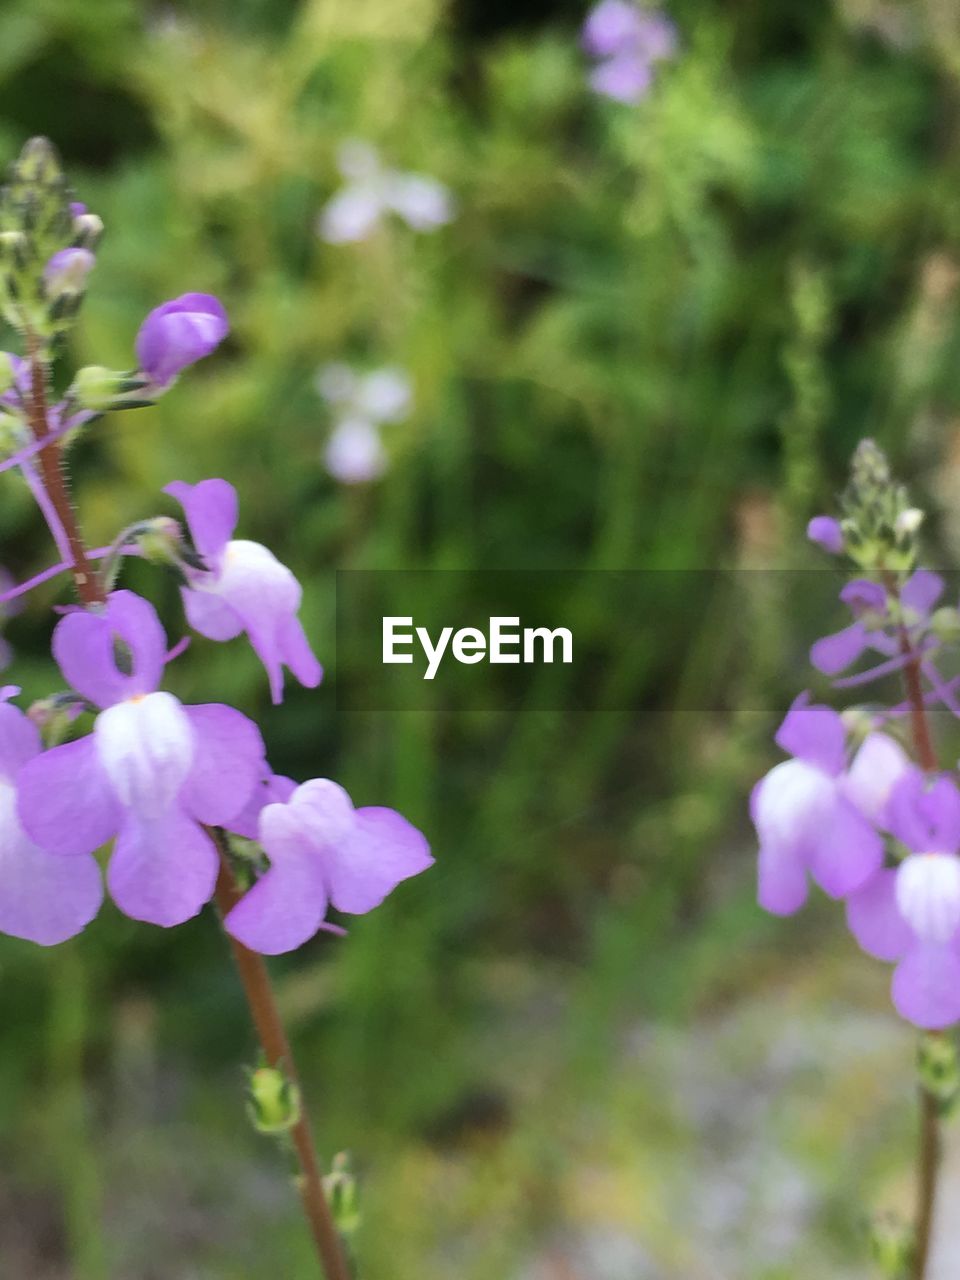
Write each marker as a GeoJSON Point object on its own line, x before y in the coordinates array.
{"type": "Point", "coordinates": [650, 339]}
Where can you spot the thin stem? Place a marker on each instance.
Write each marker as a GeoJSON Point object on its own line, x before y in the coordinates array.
{"type": "Point", "coordinates": [253, 971]}
{"type": "Point", "coordinates": [929, 1148]}
{"type": "Point", "coordinates": [276, 1048]}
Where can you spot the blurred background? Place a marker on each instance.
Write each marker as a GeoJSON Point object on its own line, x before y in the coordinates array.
{"type": "Point", "coordinates": [650, 337]}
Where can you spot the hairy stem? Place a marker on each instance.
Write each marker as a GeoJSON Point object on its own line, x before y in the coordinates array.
{"type": "Point", "coordinates": [929, 1145]}
{"type": "Point", "coordinates": [252, 970]}
{"type": "Point", "coordinates": [276, 1048]}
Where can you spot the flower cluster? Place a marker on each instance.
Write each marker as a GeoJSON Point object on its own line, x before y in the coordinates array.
{"type": "Point", "coordinates": [361, 403]}
{"type": "Point", "coordinates": [371, 192]}
{"type": "Point", "coordinates": [850, 810]}
{"type": "Point", "coordinates": [117, 762]}
{"type": "Point", "coordinates": [626, 41]}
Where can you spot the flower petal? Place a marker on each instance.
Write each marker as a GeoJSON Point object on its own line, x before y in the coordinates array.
{"type": "Point", "coordinates": [19, 740]}
{"type": "Point", "coordinates": [212, 512]}
{"type": "Point", "coordinates": [227, 764]}
{"type": "Point", "coordinates": [147, 749]}
{"type": "Point", "coordinates": [875, 920]}
{"type": "Point", "coordinates": [382, 849]}
{"type": "Point", "coordinates": [65, 802]}
{"type": "Point", "coordinates": [926, 986]}
{"type": "Point", "coordinates": [352, 214]}
{"type": "Point", "coordinates": [84, 645]}
{"type": "Point", "coordinates": [815, 735]}
{"type": "Point", "coordinates": [43, 898]}
{"type": "Point", "coordinates": [921, 591]}
{"type": "Point", "coordinates": [210, 615]}
{"type": "Point", "coordinates": [272, 789]}
{"type": "Point", "coordinates": [925, 813]}
{"type": "Point", "coordinates": [835, 653]}
{"type": "Point", "coordinates": [163, 869]}
{"type": "Point", "coordinates": [843, 851]}
{"type": "Point", "coordinates": [877, 767]}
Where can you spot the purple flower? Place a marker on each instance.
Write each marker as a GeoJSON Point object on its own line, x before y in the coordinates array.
{"type": "Point", "coordinates": [911, 914]}
{"type": "Point", "coordinates": [826, 533]}
{"type": "Point", "coordinates": [244, 587]}
{"type": "Point", "coordinates": [627, 41]}
{"type": "Point", "coordinates": [67, 271]}
{"type": "Point", "coordinates": [178, 334]}
{"type": "Point", "coordinates": [152, 773]}
{"type": "Point", "coordinates": [322, 851]}
{"type": "Point", "coordinates": [814, 815]}
{"type": "Point", "coordinates": [870, 606]}
{"type": "Point", "coordinates": [43, 897]}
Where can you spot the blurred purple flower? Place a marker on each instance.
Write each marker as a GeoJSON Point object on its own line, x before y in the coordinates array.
{"type": "Point", "coordinates": [627, 40]}
{"type": "Point", "coordinates": [911, 914]}
{"type": "Point", "coordinates": [826, 533]}
{"type": "Point", "coordinates": [243, 588]}
{"type": "Point", "coordinates": [371, 192]}
{"type": "Point", "coordinates": [815, 815]}
{"type": "Point", "coordinates": [179, 333]}
{"type": "Point", "coordinates": [67, 271]}
{"type": "Point", "coordinates": [152, 773]}
{"type": "Point", "coordinates": [322, 851]}
{"type": "Point", "coordinates": [43, 897]}
{"type": "Point", "coordinates": [354, 453]}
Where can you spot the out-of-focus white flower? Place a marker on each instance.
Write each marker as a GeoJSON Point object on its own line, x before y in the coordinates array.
{"type": "Point", "coordinates": [361, 403]}
{"type": "Point", "coordinates": [372, 191]}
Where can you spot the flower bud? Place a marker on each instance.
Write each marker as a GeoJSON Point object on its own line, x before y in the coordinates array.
{"type": "Point", "coordinates": [938, 1068]}
{"type": "Point", "coordinates": [892, 1244]}
{"type": "Point", "coordinates": [340, 1186]}
{"type": "Point", "coordinates": [908, 522]}
{"type": "Point", "coordinates": [273, 1101]}
{"type": "Point", "coordinates": [53, 716]}
{"type": "Point", "coordinates": [101, 390]}
{"type": "Point", "coordinates": [38, 163]}
{"type": "Point", "coordinates": [87, 230]}
{"type": "Point", "coordinates": [67, 272]}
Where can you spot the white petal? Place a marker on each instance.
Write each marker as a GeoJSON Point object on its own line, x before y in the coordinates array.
{"type": "Point", "coordinates": [879, 763]}
{"type": "Point", "coordinates": [384, 395]}
{"type": "Point", "coordinates": [324, 812]}
{"type": "Point", "coordinates": [928, 894]}
{"type": "Point", "coordinates": [354, 453]}
{"type": "Point", "coordinates": [146, 748]}
{"type": "Point", "coordinates": [790, 798]}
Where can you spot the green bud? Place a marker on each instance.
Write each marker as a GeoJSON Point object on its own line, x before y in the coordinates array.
{"type": "Point", "coordinates": [891, 1244]}
{"type": "Point", "coordinates": [53, 716]}
{"type": "Point", "coordinates": [879, 523]}
{"type": "Point", "coordinates": [87, 230]}
{"type": "Point", "coordinates": [938, 1068]}
{"type": "Point", "coordinates": [38, 163]}
{"type": "Point", "coordinates": [102, 390]}
{"type": "Point", "coordinates": [342, 1194]}
{"type": "Point", "coordinates": [273, 1101]}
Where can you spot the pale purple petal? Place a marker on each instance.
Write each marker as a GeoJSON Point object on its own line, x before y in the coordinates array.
{"type": "Point", "coordinates": [610, 27]}
{"type": "Point", "coordinates": [354, 453]}
{"type": "Point", "coordinates": [781, 879]}
{"type": "Point", "coordinates": [384, 395]}
{"type": "Point", "coordinates": [273, 789]}
{"type": "Point", "coordinates": [826, 533]}
{"type": "Point", "coordinates": [65, 801]}
{"type": "Point", "coordinates": [211, 510]}
{"type": "Point", "coordinates": [296, 654]}
{"type": "Point", "coordinates": [921, 591]}
{"type": "Point", "coordinates": [19, 740]}
{"type": "Point", "coordinates": [179, 333]}
{"type": "Point", "coordinates": [928, 895]}
{"type": "Point", "coordinates": [626, 77]}
{"type": "Point", "coordinates": [657, 36]}
{"type": "Point", "coordinates": [423, 203]}
{"type": "Point", "coordinates": [163, 870]}
{"type": "Point", "coordinates": [352, 214]}
{"type": "Point", "coordinates": [43, 898]}
{"type": "Point", "coordinates": [381, 850]}
{"type": "Point", "coordinates": [287, 905]}
{"type": "Point", "coordinates": [863, 595]}
{"type": "Point", "coordinates": [925, 813]}
{"type": "Point", "coordinates": [875, 920]}
{"type": "Point", "coordinates": [84, 645]}
{"type": "Point", "coordinates": [835, 653]}
{"type": "Point", "coordinates": [227, 765]}
{"type": "Point", "coordinates": [844, 851]}
{"type": "Point", "coordinates": [877, 767]}
{"type": "Point", "coordinates": [926, 986]}
{"type": "Point", "coordinates": [815, 735]}
{"type": "Point", "coordinates": [210, 615]}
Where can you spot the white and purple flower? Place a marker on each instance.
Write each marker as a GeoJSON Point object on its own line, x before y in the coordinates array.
{"type": "Point", "coordinates": [910, 914]}
{"type": "Point", "coordinates": [323, 852]}
{"type": "Point", "coordinates": [371, 192]}
{"type": "Point", "coordinates": [244, 587]}
{"type": "Point", "coordinates": [627, 42]}
{"type": "Point", "coordinates": [815, 815]}
{"type": "Point", "coordinates": [152, 773]}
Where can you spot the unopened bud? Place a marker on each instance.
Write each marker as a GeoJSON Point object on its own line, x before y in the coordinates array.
{"type": "Point", "coordinates": [67, 272]}
{"type": "Point", "coordinates": [273, 1101]}
{"type": "Point", "coordinates": [102, 390]}
{"type": "Point", "coordinates": [87, 230]}
{"type": "Point", "coordinates": [160, 541]}
{"type": "Point", "coordinates": [908, 522]}
{"type": "Point", "coordinates": [53, 716]}
{"type": "Point", "coordinates": [340, 1186]}
{"type": "Point", "coordinates": [38, 163]}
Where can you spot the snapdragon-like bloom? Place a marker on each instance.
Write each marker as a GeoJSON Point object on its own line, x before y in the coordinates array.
{"type": "Point", "coordinates": [179, 333]}
{"type": "Point", "coordinates": [627, 41]}
{"type": "Point", "coordinates": [362, 402]}
{"type": "Point", "coordinates": [152, 773]}
{"type": "Point", "coordinates": [874, 627]}
{"type": "Point", "coordinates": [911, 914]}
{"type": "Point", "coordinates": [244, 587]}
{"type": "Point", "coordinates": [371, 192]}
{"type": "Point", "coordinates": [43, 897]}
{"type": "Point", "coordinates": [815, 816]}
{"type": "Point", "coordinates": [323, 852]}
